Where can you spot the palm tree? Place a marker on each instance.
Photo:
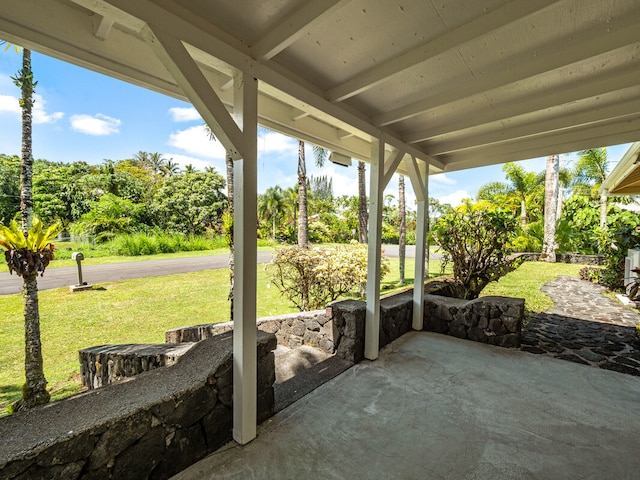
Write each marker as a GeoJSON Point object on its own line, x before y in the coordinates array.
{"type": "Point", "coordinates": [271, 204]}
{"type": "Point", "coordinates": [522, 185]}
{"type": "Point", "coordinates": [170, 168]}
{"type": "Point", "coordinates": [551, 193]}
{"type": "Point", "coordinates": [156, 163]}
{"type": "Point", "coordinates": [34, 391]}
{"type": "Point", "coordinates": [320, 155]}
{"type": "Point", "coordinates": [402, 239]}
{"type": "Point", "coordinates": [363, 216]}
{"type": "Point", "coordinates": [589, 173]}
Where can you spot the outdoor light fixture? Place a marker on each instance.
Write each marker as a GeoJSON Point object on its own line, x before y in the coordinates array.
{"type": "Point", "coordinates": [340, 159]}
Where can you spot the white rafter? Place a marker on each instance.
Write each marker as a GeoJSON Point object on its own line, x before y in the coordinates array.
{"type": "Point", "coordinates": [295, 26]}
{"type": "Point", "coordinates": [478, 27]}
{"type": "Point", "coordinates": [578, 48]}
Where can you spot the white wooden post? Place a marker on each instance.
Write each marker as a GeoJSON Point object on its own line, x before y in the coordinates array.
{"type": "Point", "coordinates": [245, 186]}
{"type": "Point", "coordinates": [419, 175]}
{"type": "Point", "coordinates": [372, 319]}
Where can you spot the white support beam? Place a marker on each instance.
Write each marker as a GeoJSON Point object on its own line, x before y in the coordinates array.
{"type": "Point", "coordinates": [294, 27]}
{"type": "Point", "coordinates": [245, 184]}
{"type": "Point", "coordinates": [420, 181]}
{"type": "Point", "coordinates": [372, 319]}
{"type": "Point", "coordinates": [102, 26]}
{"type": "Point", "coordinates": [222, 46]}
{"type": "Point", "coordinates": [456, 38]}
{"type": "Point", "coordinates": [186, 72]}
{"type": "Point", "coordinates": [390, 166]}
{"type": "Point", "coordinates": [580, 47]}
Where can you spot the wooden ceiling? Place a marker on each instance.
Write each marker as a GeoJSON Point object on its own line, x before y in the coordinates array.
{"type": "Point", "coordinates": [454, 83]}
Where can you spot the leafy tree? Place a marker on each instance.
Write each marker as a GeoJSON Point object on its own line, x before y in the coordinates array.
{"type": "Point", "coordinates": [190, 203]}
{"type": "Point", "coordinates": [477, 239]}
{"type": "Point", "coordinates": [622, 233]}
{"type": "Point", "coordinates": [109, 216]}
{"type": "Point", "coordinates": [58, 192]}
{"type": "Point", "coordinates": [9, 187]}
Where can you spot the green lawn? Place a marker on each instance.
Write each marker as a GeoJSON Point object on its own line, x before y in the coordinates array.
{"type": "Point", "coordinates": [139, 311]}
{"type": "Point", "coordinates": [525, 282]}
{"type": "Point", "coordinates": [132, 311]}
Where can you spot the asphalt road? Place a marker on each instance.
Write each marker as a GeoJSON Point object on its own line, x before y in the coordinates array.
{"type": "Point", "coordinates": [65, 276]}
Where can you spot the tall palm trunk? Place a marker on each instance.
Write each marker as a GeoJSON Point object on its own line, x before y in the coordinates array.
{"type": "Point", "coordinates": [26, 172]}
{"type": "Point", "coordinates": [603, 211]}
{"type": "Point", "coordinates": [402, 240]}
{"type": "Point", "coordinates": [229, 164]}
{"type": "Point", "coordinates": [523, 211]}
{"type": "Point", "coordinates": [551, 191]}
{"type": "Point", "coordinates": [303, 220]}
{"type": "Point", "coordinates": [34, 391]}
{"type": "Point", "coordinates": [363, 217]}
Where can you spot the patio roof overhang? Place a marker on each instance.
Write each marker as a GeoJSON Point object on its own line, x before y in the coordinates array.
{"type": "Point", "coordinates": [624, 179]}
{"type": "Point", "coordinates": [457, 84]}
{"type": "Point", "coordinates": [407, 85]}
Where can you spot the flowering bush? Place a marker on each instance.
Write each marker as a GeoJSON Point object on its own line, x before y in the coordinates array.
{"type": "Point", "coordinates": [310, 278]}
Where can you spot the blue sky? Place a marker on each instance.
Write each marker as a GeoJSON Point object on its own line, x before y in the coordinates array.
{"type": "Point", "coordinates": [82, 115]}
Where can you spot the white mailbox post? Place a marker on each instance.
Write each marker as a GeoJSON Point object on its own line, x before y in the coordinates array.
{"type": "Point", "coordinates": [78, 257]}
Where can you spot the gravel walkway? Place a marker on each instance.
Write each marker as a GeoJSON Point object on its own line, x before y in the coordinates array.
{"type": "Point", "coordinates": [585, 327]}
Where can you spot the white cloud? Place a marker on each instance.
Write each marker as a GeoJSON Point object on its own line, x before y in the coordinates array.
{"type": "Point", "coordinates": [39, 113]}
{"type": "Point", "coordinates": [195, 141]}
{"type": "Point", "coordinates": [454, 199]}
{"type": "Point", "coordinates": [184, 114]}
{"type": "Point", "coordinates": [442, 179]}
{"type": "Point", "coordinates": [96, 125]}
{"type": "Point", "coordinates": [9, 104]}
{"type": "Point", "coordinates": [272, 142]}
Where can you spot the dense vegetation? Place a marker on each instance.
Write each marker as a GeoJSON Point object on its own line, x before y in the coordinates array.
{"type": "Point", "coordinates": [150, 194]}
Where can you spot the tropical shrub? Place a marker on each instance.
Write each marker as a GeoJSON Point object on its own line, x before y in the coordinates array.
{"type": "Point", "coordinates": [310, 278]}
{"type": "Point", "coordinates": [30, 254]}
{"type": "Point", "coordinates": [477, 239]}
{"type": "Point", "coordinates": [151, 244]}
{"type": "Point", "coordinates": [622, 233]}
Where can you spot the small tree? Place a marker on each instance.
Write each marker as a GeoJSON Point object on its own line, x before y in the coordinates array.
{"type": "Point", "coordinates": [312, 277]}
{"type": "Point", "coordinates": [477, 240]}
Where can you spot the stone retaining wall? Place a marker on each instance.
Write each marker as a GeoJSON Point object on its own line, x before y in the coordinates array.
{"type": "Point", "coordinates": [107, 364]}
{"type": "Point", "coordinates": [565, 258]}
{"type": "Point", "coordinates": [153, 426]}
{"type": "Point", "coordinates": [312, 328]}
{"type": "Point", "coordinates": [492, 320]}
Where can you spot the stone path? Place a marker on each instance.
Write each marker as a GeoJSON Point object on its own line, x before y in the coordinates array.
{"type": "Point", "coordinates": [585, 327]}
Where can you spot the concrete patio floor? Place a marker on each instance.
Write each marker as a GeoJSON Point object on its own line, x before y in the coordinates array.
{"type": "Point", "coordinates": [436, 407]}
